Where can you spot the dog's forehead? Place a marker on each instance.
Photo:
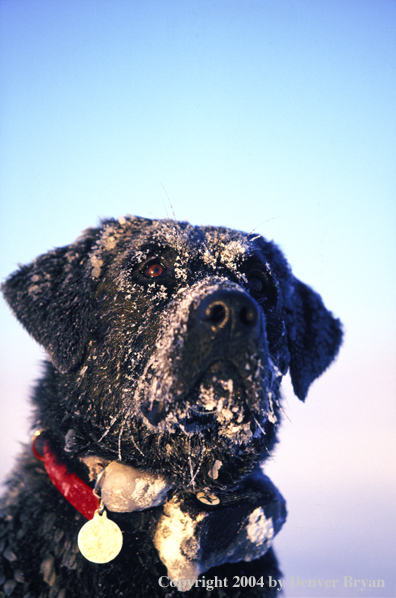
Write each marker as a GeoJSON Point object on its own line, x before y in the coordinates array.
{"type": "Point", "coordinates": [213, 245]}
{"type": "Point", "coordinates": [227, 246]}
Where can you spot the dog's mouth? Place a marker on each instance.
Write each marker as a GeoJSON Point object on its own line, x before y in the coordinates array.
{"type": "Point", "coordinates": [217, 401]}
{"type": "Point", "coordinates": [220, 396]}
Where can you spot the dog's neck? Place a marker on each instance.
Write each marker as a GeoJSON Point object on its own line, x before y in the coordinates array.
{"type": "Point", "coordinates": [122, 488]}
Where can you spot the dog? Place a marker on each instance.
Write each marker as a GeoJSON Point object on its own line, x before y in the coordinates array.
{"type": "Point", "coordinates": [159, 404]}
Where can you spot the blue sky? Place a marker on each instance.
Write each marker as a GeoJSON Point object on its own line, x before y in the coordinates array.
{"type": "Point", "coordinates": [277, 116]}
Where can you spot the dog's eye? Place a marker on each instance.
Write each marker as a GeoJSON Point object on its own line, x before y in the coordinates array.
{"type": "Point", "coordinates": [255, 284]}
{"type": "Point", "coordinates": [262, 287]}
{"type": "Point", "coordinates": [155, 270]}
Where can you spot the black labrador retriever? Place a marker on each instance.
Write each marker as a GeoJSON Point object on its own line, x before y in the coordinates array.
{"type": "Point", "coordinates": [156, 411]}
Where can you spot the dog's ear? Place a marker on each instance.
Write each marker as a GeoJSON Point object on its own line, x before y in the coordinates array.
{"type": "Point", "coordinates": [314, 337]}
{"type": "Point", "coordinates": [52, 297]}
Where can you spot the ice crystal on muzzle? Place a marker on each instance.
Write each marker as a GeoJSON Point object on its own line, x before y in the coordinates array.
{"type": "Point", "coordinates": [222, 401]}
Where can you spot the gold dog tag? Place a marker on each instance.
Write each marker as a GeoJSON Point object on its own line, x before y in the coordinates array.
{"type": "Point", "coordinates": [100, 540]}
{"type": "Point", "coordinates": [208, 498]}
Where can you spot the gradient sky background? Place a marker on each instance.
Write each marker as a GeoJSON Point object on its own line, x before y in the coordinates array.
{"type": "Point", "coordinates": [273, 115]}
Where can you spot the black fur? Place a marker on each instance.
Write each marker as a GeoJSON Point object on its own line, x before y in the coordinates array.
{"type": "Point", "coordinates": [168, 344]}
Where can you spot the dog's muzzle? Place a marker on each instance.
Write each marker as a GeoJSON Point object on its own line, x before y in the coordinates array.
{"type": "Point", "coordinates": [210, 366]}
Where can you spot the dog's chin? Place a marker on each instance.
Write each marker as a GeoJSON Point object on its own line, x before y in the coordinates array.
{"type": "Point", "coordinates": [219, 403]}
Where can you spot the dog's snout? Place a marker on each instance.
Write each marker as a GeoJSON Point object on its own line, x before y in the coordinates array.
{"type": "Point", "coordinates": [229, 309]}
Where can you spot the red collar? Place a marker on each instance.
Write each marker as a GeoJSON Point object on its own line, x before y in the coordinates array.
{"type": "Point", "coordinates": [77, 492]}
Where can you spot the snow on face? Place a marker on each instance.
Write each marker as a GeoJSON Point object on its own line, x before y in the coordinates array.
{"type": "Point", "coordinates": [215, 394]}
{"type": "Point", "coordinates": [158, 370]}
{"type": "Point", "coordinates": [203, 261]}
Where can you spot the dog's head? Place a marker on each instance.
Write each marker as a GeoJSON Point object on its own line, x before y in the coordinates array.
{"type": "Point", "coordinates": [168, 344]}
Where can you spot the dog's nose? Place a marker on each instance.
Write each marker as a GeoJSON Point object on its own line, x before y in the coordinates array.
{"type": "Point", "coordinates": [230, 310]}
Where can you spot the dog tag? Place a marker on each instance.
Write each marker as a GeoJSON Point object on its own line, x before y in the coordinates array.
{"type": "Point", "coordinates": [100, 539]}
{"type": "Point", "coordinates": [208, 498]}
